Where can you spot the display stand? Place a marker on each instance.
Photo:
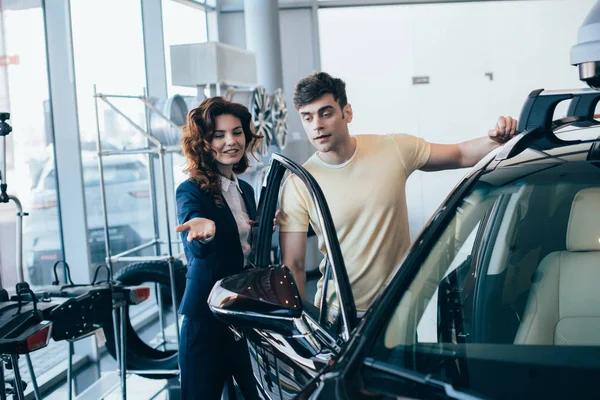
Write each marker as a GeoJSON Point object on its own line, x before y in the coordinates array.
{"type": "Point", "coordinates": [154, 147]}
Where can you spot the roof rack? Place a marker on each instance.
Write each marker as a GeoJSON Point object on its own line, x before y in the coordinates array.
{"type": "Point", "coordinates": [535, 121]}
{"type": "Point", "coordinates": [539, 107]}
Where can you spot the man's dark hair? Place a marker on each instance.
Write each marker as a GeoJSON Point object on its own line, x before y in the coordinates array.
{"type": "Point", "coordinates": [319, 84]}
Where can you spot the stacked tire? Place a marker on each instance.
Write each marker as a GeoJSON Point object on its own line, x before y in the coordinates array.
{"type": "Point", "coordinates": [139, 354]}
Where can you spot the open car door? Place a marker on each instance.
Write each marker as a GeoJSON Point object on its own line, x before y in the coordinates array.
{"type": "Point", "coordinates": [289, 338]}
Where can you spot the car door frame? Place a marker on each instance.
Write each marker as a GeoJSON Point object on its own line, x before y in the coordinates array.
{"type": "Point", "coordinates": [279, 164]}
{"type": "Point", "coordinates": [262, 239]}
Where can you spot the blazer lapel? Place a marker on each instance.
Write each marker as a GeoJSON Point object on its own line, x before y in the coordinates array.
{"type": "Point", "coordinates": [250, 204]}
{"type": "Point", "coordinates": [229, 215]}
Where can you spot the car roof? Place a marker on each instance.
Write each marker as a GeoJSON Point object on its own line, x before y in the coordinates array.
{"type": "Point", "coordinates": [577, 151]}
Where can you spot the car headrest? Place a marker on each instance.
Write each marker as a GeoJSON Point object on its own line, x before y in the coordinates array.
{"type": "Point", "coordinates": [583, 233]}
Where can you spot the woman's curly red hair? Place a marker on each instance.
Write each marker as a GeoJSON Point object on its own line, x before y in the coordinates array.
{"type": "Point", "coordinates": [197, 137]}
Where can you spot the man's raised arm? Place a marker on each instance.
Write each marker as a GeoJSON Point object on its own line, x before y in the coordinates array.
{"type": "Point", "coordinates": [467, 154]}
{"type": "Point", "coordinates": [293, 255]}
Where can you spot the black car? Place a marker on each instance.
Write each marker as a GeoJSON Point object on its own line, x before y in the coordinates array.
{"type": "Point", "coordinates": [499, 296]}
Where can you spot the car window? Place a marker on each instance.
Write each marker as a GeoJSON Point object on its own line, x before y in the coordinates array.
{"type": "Point", "coordinates": [321, 288]}
{"type": "Point", "coordinates": [115, 174]}
{"type": "Point", "coordinates": [511, 282]}
{"type": "Point", "coordinates": [332, 271]}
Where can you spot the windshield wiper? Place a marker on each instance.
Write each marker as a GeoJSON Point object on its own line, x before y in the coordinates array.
{"type": "Point", "coordinates": [418, 378]}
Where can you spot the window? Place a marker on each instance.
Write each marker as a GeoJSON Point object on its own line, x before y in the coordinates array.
{"type": "Point", "coordinates": [29, 147]}
{"type": "Point", "coordinates": [181, 24]}
{"type": "Point", "coordinates": [109, 53]}
{"type": "Point", "coordinates": [511, 281]}
{"type": "Point", "coordinates": [116, 174]}
{"type": "Point", "coordinates": [322, 300]}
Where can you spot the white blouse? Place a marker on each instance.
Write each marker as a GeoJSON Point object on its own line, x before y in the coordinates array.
{"type": "Point", "coordinates": [233, 196]}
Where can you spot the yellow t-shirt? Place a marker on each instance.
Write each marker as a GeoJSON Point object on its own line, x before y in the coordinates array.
{"type": "Point", "coordinates": [367, 200]}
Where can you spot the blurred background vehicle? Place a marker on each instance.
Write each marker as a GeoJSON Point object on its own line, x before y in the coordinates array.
{"type": "Point", "coordinates": [127, 200]}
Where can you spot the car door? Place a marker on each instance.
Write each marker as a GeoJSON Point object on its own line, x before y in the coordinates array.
{"type": "Point", "coordinates": [286, 364]}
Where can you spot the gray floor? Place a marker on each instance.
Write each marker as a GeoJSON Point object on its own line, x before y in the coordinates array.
{"type": "Point", "coordinates": [43, 360]}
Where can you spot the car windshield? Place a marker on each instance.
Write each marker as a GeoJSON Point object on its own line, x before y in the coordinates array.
{"type": "Point", "coordinates": [506, 302]}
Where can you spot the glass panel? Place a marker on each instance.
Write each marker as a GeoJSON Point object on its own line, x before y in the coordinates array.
{"type": "Point", "coordinates": [321, 299]}
{"type": "Point", "coordinates": [177, 20]}
{"type": "Point", "coordinates": [181, 24]}
{"type": "Point", "coordinates": [331, 317]}
{"type": "Point", "coordinates": [509, 285]}
{"type": "Point", "coordinates": [30, 154]}
{"type": "Point", "coordinates": [109, 53]}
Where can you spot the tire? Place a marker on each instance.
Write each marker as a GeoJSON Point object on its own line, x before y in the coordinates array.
{"type": "Point", "coordinates": [140, 355]}
{"type": "Point", "coordinates": [155, 271]}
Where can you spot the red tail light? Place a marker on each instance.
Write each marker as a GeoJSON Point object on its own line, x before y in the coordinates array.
{"type": "Point", "coordinates": [139, 294]}
{"type": "Point", "coordinates": [37, 340]}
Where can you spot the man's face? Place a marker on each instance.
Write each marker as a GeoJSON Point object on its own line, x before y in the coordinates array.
{"type": "Point", "coordinates": [325, 124]}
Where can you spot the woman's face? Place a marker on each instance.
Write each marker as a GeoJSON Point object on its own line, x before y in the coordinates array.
{"type": "Point", "coordinates": [229, 141]}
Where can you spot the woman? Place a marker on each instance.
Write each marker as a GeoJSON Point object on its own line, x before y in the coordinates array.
{"type": "Point", "coordinates": [215, 210]}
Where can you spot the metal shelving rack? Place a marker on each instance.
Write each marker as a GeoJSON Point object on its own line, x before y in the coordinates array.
{"type": "Point", "coordinates": [154, 147]}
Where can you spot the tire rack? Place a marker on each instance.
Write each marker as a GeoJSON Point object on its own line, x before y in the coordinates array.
{"type": "Point", "coordinates": [5, 198]}
{"type": "Point", "coordinates": [103, 387]}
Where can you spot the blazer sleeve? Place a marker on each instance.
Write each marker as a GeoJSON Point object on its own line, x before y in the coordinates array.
{"type": "Point", "coordinates": [191, 203]}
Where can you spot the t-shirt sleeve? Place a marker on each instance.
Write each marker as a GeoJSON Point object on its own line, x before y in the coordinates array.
{"type": "Point", "coordinates": [414, 151]}
{"type": "Point", "coordinates": [294, 216]}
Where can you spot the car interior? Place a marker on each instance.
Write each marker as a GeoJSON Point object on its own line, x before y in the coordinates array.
{"type": "Point", "coordinates": [515, 265]}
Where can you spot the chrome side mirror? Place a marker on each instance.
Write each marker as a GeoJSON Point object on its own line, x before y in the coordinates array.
{"type": "Point", "coordinates": [262, 298]}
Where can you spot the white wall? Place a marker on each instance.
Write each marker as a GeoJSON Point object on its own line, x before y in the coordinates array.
{"type": "Point", "coordinates": [377, 51]}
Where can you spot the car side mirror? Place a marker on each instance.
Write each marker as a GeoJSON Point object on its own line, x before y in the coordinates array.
{"type": "Point", "coordinates": [261, 298]}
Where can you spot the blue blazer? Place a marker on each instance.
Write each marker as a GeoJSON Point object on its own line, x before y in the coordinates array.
{"type": "Point", "coordinates": [207, 263]}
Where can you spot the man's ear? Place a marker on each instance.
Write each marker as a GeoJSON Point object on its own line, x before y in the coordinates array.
{"type": "Point", "coordinates": [347, 113]}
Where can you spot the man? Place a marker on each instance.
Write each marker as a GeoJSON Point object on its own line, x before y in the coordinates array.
{"type": "Point", "coordinates": [363, 178]}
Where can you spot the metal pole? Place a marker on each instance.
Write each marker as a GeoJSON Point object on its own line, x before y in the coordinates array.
{"type": "Point", "coordinates": [125, 152]}
{"type": "Point", "coordinates": [263, 38]}
{"type": "Point", "coordinates": [36, 389]}
{"type": "Point", "coordinates": [102, 193]}
{"type": "Point", "coordinates": [136, 126]}
{"type": "Point", "coordinates": [117, 339]}
{"type": "Point", "coordinates": [20, 275]}
{"type": "Point", "coordinates": [160, 314]}
{"type": "Point", "coordinates": [20, 278]}
{"type": "Point", "coordinates": [153, 206]}
{"type": "Point", "coordinates": [151, 243]}
{"type": "Point", "coordinates": [152, 184]}
{"type": "Point", "coordinates": [161, 156]}
{"type": "Point", "coordinates": [117, 96]}
{"type": "Point", "coordinates": [18, 381]}
{"type": "Point", "coordinates": [123, 352]}
{"type": "Point", "coordinates": [70, 371]}
{"type": "Point", "coordinates": [3, 160]}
